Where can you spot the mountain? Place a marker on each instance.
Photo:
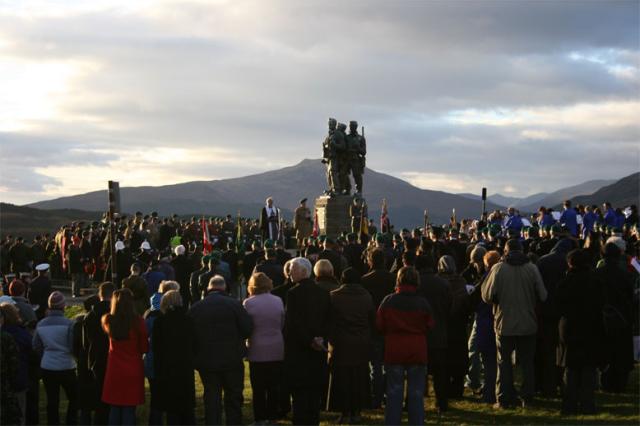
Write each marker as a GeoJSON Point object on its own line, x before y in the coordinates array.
{"type": "Point", "coordinates": [29, 222]}
{"type": "Point", "coordinates": [622, 193]}
{"type": "Point", "coordinates": [556, 198]}
{"type": "Point", "coordinates": [506, 201]}
{"type": "Point", "coordinates": [288, 185]}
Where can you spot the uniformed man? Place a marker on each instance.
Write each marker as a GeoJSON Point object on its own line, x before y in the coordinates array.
{"type": "Point", "coordinates": [333, 144]}
{"type": "Point", "coordinates": [302, 223]}
{"type": "Point", "coordinates": [343, 158]}
{"type": "Point", "coordinates": [356, 151]}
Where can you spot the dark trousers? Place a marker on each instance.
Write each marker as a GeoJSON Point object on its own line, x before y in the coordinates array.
{"type": "Point", "coordinates": [525, 347]}
{"type": "Point", "coordinates": [548, 375]}
{"type": "Point", "coordinates": [215, 383]}
{"type": "Point", "coordinates": [306, 405]}
{"type": "Point", "coordinates": [122, 415]}
{"type": "Point", "coordinates": [181, 417]}
{"type": "Point", "coordinates": [490, 366]}
{"type": "Point", "coordinates": [579, 388]}
{"type": "Point", "coordinates": [437, 369]}
{"type": "Point", "coordinates": [33, 396]}
{"type": "Point", "coordinates": [265, 384]}
{"type": "Point", "coordinates": [377, 371]}
{"type": "Point", "coordinates": [53, 381]}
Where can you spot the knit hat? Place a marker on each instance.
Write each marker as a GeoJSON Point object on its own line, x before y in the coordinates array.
{"type": "Point", "coordinates": [56, 301]}
{"type": "Point", "coordinates": [16, 288]}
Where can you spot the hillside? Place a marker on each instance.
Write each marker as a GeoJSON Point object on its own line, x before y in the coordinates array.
{"type": "Point", "coordinates": [286, 186]}
{"type": "Point", "coordinates": [622, 193]}
{"type": "Point", "coordinates": [557, 197]}
{"type": "Point", "coordinates": [28, 222]}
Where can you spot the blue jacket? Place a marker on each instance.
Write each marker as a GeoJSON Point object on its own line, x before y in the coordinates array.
{"type": "Point", "coordinates": [588, 221]}
{"type": "Point", "coordinates": [54, 338]}
{"type": "Point", "coordinates": [610, 218]}
{"type": "Point", "coordinates": [569, 219]}
{"type": "Point", "coordinates": [514, 222]}
{"type": "Point", "coordinates": [547, 220]}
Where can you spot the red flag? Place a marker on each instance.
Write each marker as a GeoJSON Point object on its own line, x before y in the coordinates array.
{"type": "Point", "coordinates": [316, 229]}
{"type": "Point", "coordinates": [207, 247]}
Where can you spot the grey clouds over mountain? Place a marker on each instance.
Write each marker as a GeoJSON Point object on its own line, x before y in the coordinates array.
{"type": "Point", "coordinates": [519, 97]}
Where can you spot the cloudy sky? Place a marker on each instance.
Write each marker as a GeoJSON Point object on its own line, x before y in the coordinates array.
{"type": "Point", "coordinates": [520, 97]}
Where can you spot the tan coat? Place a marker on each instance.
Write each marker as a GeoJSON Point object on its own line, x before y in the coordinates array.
{"type": "Point", "coordinates": [302, 222]}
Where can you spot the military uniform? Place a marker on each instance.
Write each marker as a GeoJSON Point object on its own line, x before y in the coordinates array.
{"type": "Point", "coordinates": [356, 151]}
{"type": "Point", "coordinates": [333, 146]}
{"type": "Point", "coordinates": [302, 223]}
{"type": "Point", "coordinates": [356, 213]}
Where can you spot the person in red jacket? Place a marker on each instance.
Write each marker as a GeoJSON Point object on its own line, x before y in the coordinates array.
{"type": "Point", "coordinates": [403, 319]}
{"type": "Point", "coordinates": [124, 379]}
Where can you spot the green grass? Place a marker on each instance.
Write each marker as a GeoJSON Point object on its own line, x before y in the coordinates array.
{"type": "Point", "coordinates": [613, 409]}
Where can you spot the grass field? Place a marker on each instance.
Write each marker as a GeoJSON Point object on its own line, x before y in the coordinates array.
{"type": "Point", "coordinates": [613, 409]}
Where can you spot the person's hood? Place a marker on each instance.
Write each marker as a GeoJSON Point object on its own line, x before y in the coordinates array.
{"type": "Point", "coordinates": [516, 258]}
{"type": "Point", "coordinates": [563, 247]}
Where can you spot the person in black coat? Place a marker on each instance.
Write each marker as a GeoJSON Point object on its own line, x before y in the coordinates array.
{"type": "Point", "coordinates": [618, 306]}
{"type": "Point", "coordinates": [553, 268]}
{"type": "Point", "coordinates": [331, 253]}
{"type": "Point", "coordinates": [95, 344]}
{"type": "Point", "coordinates": [182, 267]}
{"type": "Point", "coordinates": [379, 283]}
{"type": "Point", "coordinates": [174, 346]}
{"type": "Point", "coordinates": [579, 305]}
{"type": "Point", "coordinates": [306, 329]}
{"type": "Point", "coordinates": [436, 290]}
{"type": "Point", "coordinates": [86, 383]}
{"type": "Point", "coordinates": [222, 325]}
{"type": "Point", "coordinates": [271, 268]}
{"type": "Point", "coordinates": [39, 291]}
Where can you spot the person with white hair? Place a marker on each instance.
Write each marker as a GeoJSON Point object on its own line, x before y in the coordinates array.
{"type": "Point", "coordinates": [182, 268]}
{"type": "Point", "coordinates": [270, 220]}
{"type": "Point", "coordinates": [306, 322]}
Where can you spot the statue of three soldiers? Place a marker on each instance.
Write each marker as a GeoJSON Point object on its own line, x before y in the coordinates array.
{"type": "Point", "coordinates": [344, 154]}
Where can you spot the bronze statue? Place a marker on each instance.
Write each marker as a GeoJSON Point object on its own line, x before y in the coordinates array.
{"type": "Point", "coordinates": [343, 154]}
{"type": "Point", "coordinates": [356, 151]}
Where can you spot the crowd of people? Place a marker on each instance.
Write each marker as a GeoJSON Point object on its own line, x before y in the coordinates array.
{"type": "Point", "coordinates": [346, 324]}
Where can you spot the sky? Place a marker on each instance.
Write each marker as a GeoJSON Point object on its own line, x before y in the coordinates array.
{"type": "Point", "coordinates": [518, 97]}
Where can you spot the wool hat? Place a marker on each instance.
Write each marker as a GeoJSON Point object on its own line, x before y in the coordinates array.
{"type": "Point", "coordinates": [16, 288]}
{"type": "Point", "coordinates": [57, 301]}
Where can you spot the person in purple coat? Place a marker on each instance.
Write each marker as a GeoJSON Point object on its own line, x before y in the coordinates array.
{"type": "Point", "coordinates": [265, 346]}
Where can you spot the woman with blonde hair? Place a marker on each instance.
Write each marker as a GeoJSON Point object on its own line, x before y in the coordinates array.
{"type": "Point", "coordinates": [265, 346]}
{"type": "Point", "coordinates": [174, 342]}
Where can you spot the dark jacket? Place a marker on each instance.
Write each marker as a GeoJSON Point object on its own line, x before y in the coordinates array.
{"type": "Point", "coordinates": [335, 258]}
{"type": "Point", "coordinates": [272, 269]}
{"type": "Point", "coordinates": [579, 306]}
{"type": "Point", "coordinates": [327, 283]}
{"type": "Point", "coordinates": [22, 338]}
{"type": "Point", "coordinates": [307, 317]}
{"type": "Point", "coordinates": [222, 324]}
{"type": "Point", "coordinates": [174, 348]}
{"type": "Point", "coordinates": [39, 291]}
{"type": "Point", "coordinates": [436, 291]}
{"type": "Point", "coordinates": [353, 318]}
{"type": "Point", "coordinates": [404, 319]}
{"type": "Point", "coordinates": [95, 341]}
{"type": "Point", "coordinates": [138, 287]}
{"type": "Point", "coordinates": [282, 290]}
{"type": "Point", "coordinates": [379, 283]}
{"type": "Point", "coordinates": [182, 267]}
{"type": "Point", "coordinates": [553, 268]}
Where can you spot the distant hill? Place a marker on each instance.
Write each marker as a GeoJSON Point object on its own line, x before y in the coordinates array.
{"type": "Point", "coordinates": [28, 222]}
{"type": "Point", "coordinates": [557, 197]}
{"type": "Point", "coordinates": [622, 193]}
{"type": "Point", "coordinates": [531, 203]}
{"type": "Point", "coordinates": [287, 186]}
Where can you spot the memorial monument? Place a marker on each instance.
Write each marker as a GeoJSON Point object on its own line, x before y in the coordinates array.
{"type": "Point", "coordinates": [344, 156]}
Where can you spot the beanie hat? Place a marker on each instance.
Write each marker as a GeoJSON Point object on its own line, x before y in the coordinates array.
{"type": "Point", "coordinates": [56, 301]}
{"type": "Point", "coordinates": [16, 288]}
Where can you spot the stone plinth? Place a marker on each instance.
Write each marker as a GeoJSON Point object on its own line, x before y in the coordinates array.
{"type": "Point", "coordinates": [333, 214]}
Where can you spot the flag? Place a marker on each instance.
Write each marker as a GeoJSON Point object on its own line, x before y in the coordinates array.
{"type": "Point", "coordinates": [316, 229]}
{"type": "Point", "coordinates": [207, 247]}
{"type": "Point", "coordinates": [384, 217]}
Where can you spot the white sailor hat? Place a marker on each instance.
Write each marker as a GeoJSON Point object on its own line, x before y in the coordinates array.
{"type": "Point", "coordinates": [42, 267]}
